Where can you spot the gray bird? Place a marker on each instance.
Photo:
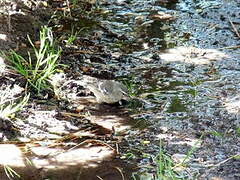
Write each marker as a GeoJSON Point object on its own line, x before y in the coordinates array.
{"type": "Point", "coordinates": [106, 91]}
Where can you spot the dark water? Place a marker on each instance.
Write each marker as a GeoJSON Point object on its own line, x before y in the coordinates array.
{"type": "Point", "coordinates": [167, 54]}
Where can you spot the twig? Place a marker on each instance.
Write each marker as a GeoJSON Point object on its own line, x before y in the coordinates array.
{"type": "Point", "coordinates": [117, 148]}
{"type": "Point", "coordinates": [99, 178]}
{"type": "Point", "coordinates": [91, 140]}
{"type": "Point", "coordinates": [120, 171]}
{"type": "Point", "coordinates": [72, 114]}
{"type": "Point", "coordinates": [234, 28]}
{"type": "Point", "coordinates": [211, 167]}
{"type": "Point", "coordinates": [222, 162]}
{"type": "Point", "coordinates": [229, 47]}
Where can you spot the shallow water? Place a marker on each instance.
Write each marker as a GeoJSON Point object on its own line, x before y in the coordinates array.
{"type": "Point", "coordinates": [183, 89]}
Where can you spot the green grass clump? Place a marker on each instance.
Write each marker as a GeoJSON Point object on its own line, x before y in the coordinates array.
{"type": "Point", "coordinates": [11, 107]}
{"type": "Point", "coordinates": [9, 104]}
{"type": "Point", "coordinates": [165, 168]}
{"type": "Point", "coordinates": [11, 174]}
{"type": "Point", "coordinates": [40, 64]}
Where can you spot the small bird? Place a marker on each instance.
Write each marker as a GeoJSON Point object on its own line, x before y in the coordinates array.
{"type": "Point", "coordinates": [106, 91]}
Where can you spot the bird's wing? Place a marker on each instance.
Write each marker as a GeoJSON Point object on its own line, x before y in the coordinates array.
{"type": "Point", "coordinates": [106, 87]}
{"type": "Point", "coordinates": [123, 88]}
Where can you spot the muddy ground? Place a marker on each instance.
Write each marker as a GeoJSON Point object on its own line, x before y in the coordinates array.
{"type": "Point", "coordinates": [180, 61]}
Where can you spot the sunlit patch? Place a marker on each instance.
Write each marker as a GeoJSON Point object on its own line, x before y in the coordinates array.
{"type": "Point", "coordinates": [59, 158]}
{"type": "Point", "coordinates": [11, 155]}
{"type": "Point", "coordinates": [53, 127]}
{"type": "Point", "coordinates": [233, 105]}
{"type": "Point", "coordinates": [57, 79]}
{"type": "Point", "coordinates": [97, 153]}
{"type": "Point", "coordinates": [2, 65]}
{"type": "Point", "coordinates": [110, 121]}
{"type": "Point", "coordinates": [165, 136]}
{"type": "Point", "coordinates": [179, 158]}
{"type": "Point", "coordinates": [217, 178]}
{"type": "Point", "coordinates": [145, 46]}
{"type": "Point", "coordinates": [188, 141]}
{"type": "Point", "coordinates": [192, 55]}
{"type": "Point", "coordinates": [3, 37]}
{"type": "Point", "coordinates": [173, 139]}
{"type": "Point", "coordinates": [53, 158]}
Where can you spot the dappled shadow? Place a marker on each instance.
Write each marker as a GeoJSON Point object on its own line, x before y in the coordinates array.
{"type": "Point", "coordinates": [199, 91]}
{"type": "Point", "coordinates": [60, 144]}
{"type": "Point", "coordinates": [90, 161]}
{"type": "Point", "coordinates": [191, 95]}
{"type": "Point", "coordinates": [17, 22]}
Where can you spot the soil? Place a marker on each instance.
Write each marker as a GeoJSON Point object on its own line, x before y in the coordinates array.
{"type": "Point", "coordinates": [180, 61]}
